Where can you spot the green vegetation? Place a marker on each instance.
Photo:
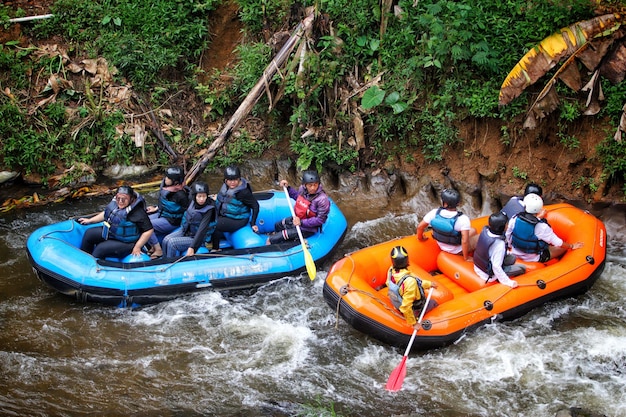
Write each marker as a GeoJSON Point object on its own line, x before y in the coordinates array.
{"type": "Point", "coordinates": [319, 408]}
{"type": "Point", "coordinates": [411, 77]}
{"type": "Point", "coordinates": [142, 39]}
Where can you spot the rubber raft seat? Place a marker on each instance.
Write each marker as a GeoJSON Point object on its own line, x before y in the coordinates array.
{"type": "Point", "coordinates": [462, 272]}
{"type": "Point", "coordinates": [442, 293]}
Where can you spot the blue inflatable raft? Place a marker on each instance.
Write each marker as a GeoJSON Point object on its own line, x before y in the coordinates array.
{"type": "Point", "coordinates": [245, 261]}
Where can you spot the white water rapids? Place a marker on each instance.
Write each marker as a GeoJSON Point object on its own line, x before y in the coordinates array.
{"type": "Point", "coordinates": [280, 350]}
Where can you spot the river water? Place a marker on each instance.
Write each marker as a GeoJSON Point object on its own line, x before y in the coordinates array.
{"type": "Point", "coordinates": [281, 351]}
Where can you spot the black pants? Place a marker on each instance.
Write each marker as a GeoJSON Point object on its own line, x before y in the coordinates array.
{"type": "Point", "coordinates": [225, 224]}
{"type": "Point", "coordinates": [285, 230]}
{"type": "Point", "coordinates": [94, 243]}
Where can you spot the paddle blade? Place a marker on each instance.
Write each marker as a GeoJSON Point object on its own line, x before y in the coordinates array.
{"type": "Point", "coordinates": [397, 377]}
{"type": "Point", "coordinates": [310, 263]}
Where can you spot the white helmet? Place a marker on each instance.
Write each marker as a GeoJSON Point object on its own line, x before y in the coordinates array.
{"type": "Point", "coordinates": [533, 203]}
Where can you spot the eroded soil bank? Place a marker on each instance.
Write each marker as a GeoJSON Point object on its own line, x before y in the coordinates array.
{"type": "Point", "coordinates": [493, 159]}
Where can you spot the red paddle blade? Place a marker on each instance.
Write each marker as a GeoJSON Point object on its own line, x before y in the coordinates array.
{"type": "Point", "coordinates": [394, 383]}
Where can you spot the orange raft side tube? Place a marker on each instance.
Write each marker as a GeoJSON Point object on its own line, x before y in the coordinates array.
{"type": "Point", "coordinates": [355, 283]}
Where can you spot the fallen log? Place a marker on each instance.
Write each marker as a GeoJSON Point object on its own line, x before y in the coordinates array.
{"type": "Point", "coordinates": [251, 99]}
{"type": "Point", "coordinates": [244, 108]}
{"type": "Point", "coordinates": [65, 193]}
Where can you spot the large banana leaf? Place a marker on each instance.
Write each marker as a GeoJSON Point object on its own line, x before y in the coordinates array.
{"type": "Point", "coordinates": [569, 42]}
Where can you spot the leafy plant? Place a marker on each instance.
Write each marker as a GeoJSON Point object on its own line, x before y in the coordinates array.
{"type": "Point", "coordinates": [518, 173]}
{"type": "Point", "coordinates": [239, 148]}
{"type": "Point", "coordinates": [318, 153]}
{"type": "Point", "coordinates": [140, 39]}
{"type": "Point", "coordinates": [613, 156]}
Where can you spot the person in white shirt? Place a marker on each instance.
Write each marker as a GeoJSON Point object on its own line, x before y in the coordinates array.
{"type": "Point", "coordinates": [451, 229]}
{"type": "Point", "coordinates": [491, 261]}
{"type": "Point", "coordinates": [531, 238]}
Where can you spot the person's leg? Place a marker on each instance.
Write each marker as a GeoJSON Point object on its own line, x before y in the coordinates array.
{"type": "Point", "coordinates": [92, 237]}
{"type": "Point", "coordinates": [113, 248]}
{"type": "Point", "coordinates": [509, 267]}
{"type": "Point", "coordinates": [557, 252]}
{"type": "Point", "coordinates": [288, 233]}
{"type": "Point", "coordinates": [176, 242]}
{"type": "Point", "coordinates": [225, 224]}
{"type": "Point", "coordinates": [514, 270]}
{"type": "Point", "coordinates": [162, 227]}
{"type": "Point", "coordinates": [545, 256]}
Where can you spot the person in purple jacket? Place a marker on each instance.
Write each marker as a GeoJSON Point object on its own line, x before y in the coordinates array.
{"type": "Point", "coordinates": [311, 208]}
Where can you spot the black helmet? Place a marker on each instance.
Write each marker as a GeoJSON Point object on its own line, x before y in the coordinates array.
{"type": "Point", "coordinates": [533, 188]}
{"type": "Point", "coordinates": [199, 187]}
{"type": "Point", "coordinates": [232, 173]}
{"type": "Point", "coordinates": [451, 197]}
{"type": "Point", "coordinates": [126, 189]}
{"type": "Point", "coordinates": [310, 176]}
{"type": "Point", "coordinates": [497, 223]}
{"type": "Point", "coordinates": [175, 174]}
{"type": "Point", "coordinates": [399, 257]}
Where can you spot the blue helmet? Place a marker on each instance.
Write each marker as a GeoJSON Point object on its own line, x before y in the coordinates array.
{"type": "Point", "coordinates": [310, 176]}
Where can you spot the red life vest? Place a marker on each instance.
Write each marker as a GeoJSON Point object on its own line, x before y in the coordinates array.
{"type": "Point", "coordinates": [302, 208]}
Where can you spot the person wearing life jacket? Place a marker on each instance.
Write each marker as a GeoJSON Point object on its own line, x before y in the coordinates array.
{"type": "Point", "coordinates": [311, 208]}
{"type": "Point", "coordinates": [451, 229]}
{"type": "Point", "coordinates": [531, 238]}
{"type": "Point", "coordinates": [515, 205]}
{"type": "Point", "coordinates": [167, 215]}
{"type": "Point", "coordinates": [405, 290]}
{"type": "Point", "coordinates": [236, 206]}
{"type": "Point", "coordinates": [197, 225]}
{"type": "Point", "coordinates": [491, 261]}
{"type": "Point", "coordinates": [126, 228]}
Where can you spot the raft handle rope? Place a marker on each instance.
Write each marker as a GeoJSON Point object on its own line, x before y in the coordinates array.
{"type": "Point", "coordinates": [346, 288]}
{"type": "Point", "coordinates": [47, 235]}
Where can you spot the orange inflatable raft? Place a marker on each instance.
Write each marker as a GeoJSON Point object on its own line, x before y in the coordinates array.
{"type": "Point", "coordinates": [355, 285]}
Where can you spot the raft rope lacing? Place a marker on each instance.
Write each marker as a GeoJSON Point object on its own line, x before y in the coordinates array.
{"type": "Point", "coordinates": [100, 268]}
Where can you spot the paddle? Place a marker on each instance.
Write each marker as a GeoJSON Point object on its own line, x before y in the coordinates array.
{"type": "Point", "coordinates": [308, 259]}
{"type": "Point", "coordinates": [394, 383]}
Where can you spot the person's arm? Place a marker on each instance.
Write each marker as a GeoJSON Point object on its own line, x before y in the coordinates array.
{"type": "Point", "coordinates": [321, 207]}
{"type": "Point", "coordinates": [249, 200]}
{"type": "Point", "coordinates": [544, 232]}
{"type": "Point", "coordinates": [572, 246]}
{"type": "Point", "coordinates": [409, 295]}
{"type": "Point", "coordinates": [293, 192]}
{"type": "Point", "coordinates": [91, 220]}
{"type": "Point", "coordinates": [181, 198]}
{"type": "Point", "coordinates": [143, 239]}
{"type": "Point", "coordinates": [464, 226]}
{"type": "Point", "coordinates": [141, 219]}
{"type": "Point", "coordinates": [426, 284]}
{"type": "Point", "coordinates": [465, 244]}
{"type": "Point", "coordinates": [420, 230]}
{"type": "Point", "coordinates": [200, 236]}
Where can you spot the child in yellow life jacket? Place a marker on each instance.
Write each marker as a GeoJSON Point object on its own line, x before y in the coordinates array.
{"type": "Point", "coordinates": [406, 291]}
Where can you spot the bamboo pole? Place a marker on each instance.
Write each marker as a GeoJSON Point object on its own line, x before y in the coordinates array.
{"type": "Point", "coordinates": [250, 100]}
